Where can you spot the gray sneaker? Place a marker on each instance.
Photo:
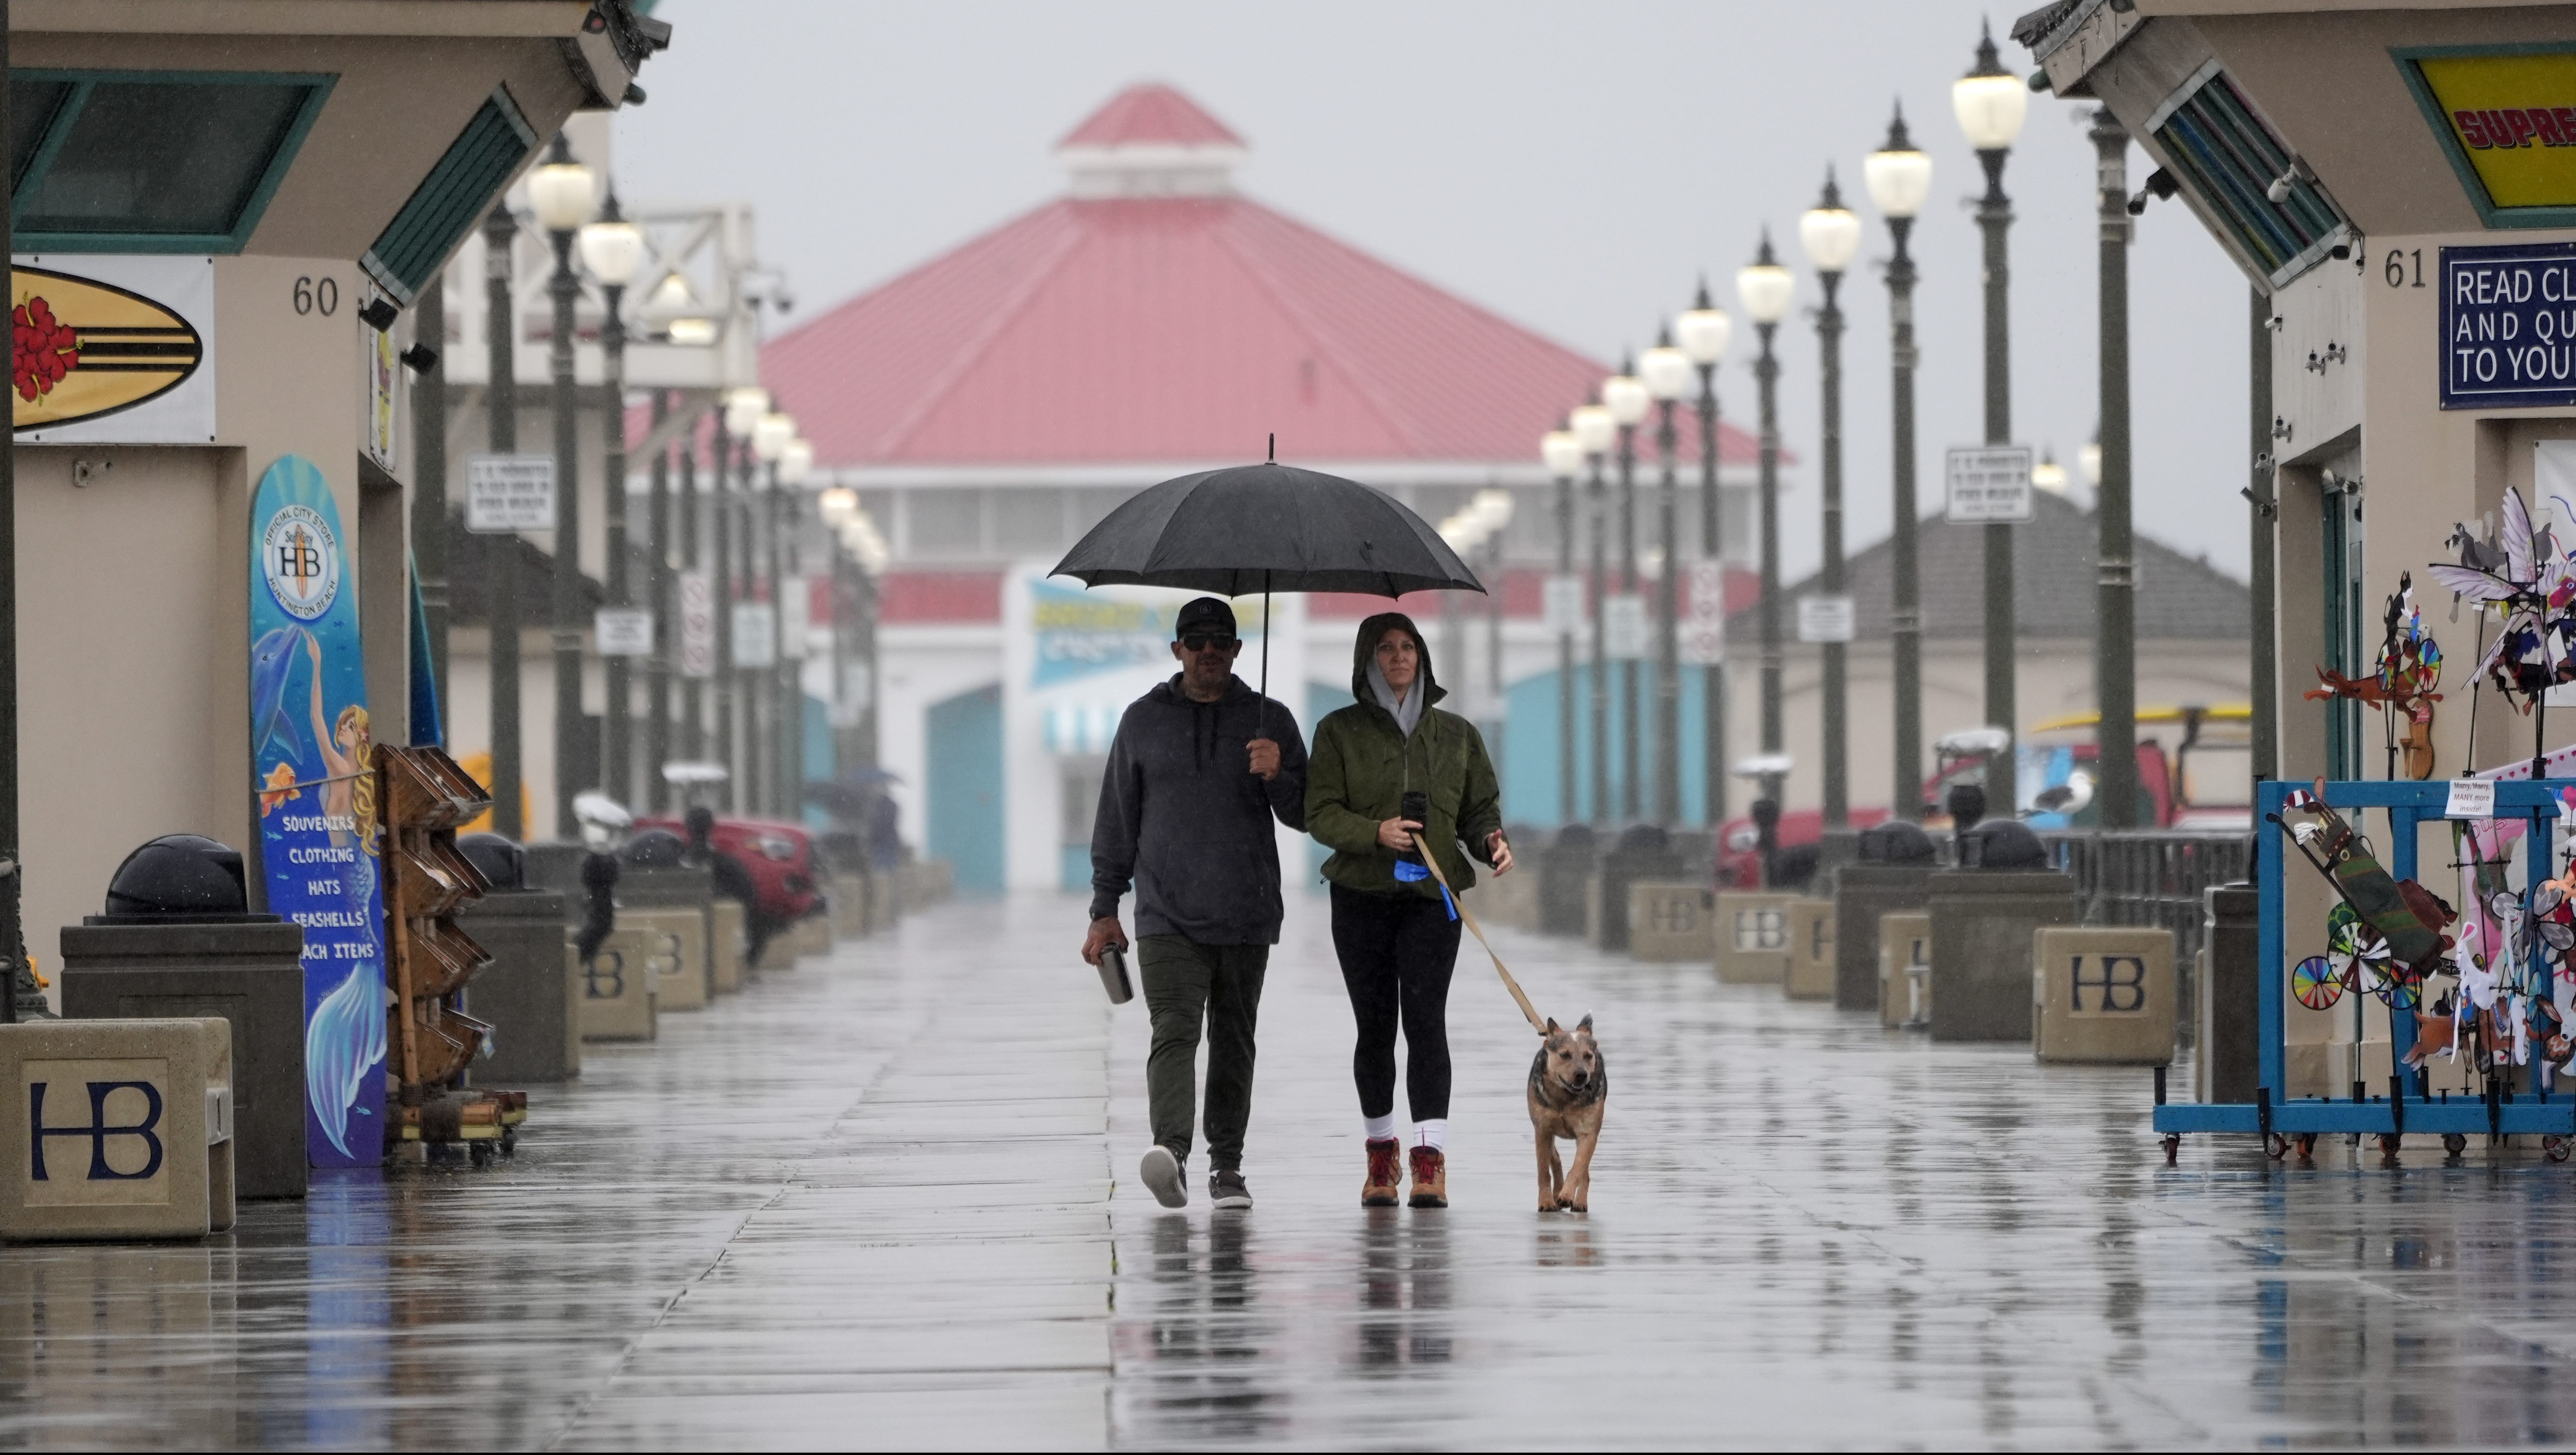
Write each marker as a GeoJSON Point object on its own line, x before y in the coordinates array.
{"type": "Point", "coordinates": [1226, 1191]}
{"type": "Point", "coordinates": [1164, 1177]}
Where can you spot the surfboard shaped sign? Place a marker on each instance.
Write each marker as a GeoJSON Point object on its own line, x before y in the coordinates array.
{"type": "Point", "coordinates": [116, 353]}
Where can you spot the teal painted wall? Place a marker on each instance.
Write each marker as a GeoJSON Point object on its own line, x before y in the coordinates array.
{"type": "Point", "coordinates": [965, 800]}
{"type": "Point", "coordinates": [1528, 752]}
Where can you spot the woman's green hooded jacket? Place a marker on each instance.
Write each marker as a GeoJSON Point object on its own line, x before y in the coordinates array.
{"type": "Point", "coordinates": [1362, 763]}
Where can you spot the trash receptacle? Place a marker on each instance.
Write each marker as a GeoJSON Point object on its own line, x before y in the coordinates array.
{"type": "Point", "coordinates": [1891, 876]}
{"type": "Point", "coordinates": [1564, 877]}
{"type": "Point", "coordinates": [1984, 914]}
{"type": "Point", "coordinates": [2226, 1059]}
{"type": "Point", "coordinates": [1643, 853]}
{"type": "Point", "coordinates": [524, 994]}
{"type": "Point", "coordinates": [178, 940]}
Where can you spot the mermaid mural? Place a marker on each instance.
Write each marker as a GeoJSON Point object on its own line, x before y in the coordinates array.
{"type": "Point", "coordinates": [317, 803]}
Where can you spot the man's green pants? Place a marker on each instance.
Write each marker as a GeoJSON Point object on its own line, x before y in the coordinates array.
{"type": "Point", "coordinates": [1185, 982]}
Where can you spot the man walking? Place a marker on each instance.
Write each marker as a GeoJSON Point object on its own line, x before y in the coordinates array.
{"type": "Point", "coordinates": [1200, 767]}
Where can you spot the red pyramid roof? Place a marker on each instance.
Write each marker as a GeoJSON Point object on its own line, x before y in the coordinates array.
{"type": "Point", "coordinates": [1152, 114]}
{"type": "Point", "coordinates": [1172, 329]}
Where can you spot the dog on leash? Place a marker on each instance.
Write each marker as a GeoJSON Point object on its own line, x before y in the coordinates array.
{"type": "Point", "coordinates": [1569, 1086]}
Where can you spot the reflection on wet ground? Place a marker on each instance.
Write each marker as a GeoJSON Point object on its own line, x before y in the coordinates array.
{"type": "Point", "coordinates": [888, 1201]}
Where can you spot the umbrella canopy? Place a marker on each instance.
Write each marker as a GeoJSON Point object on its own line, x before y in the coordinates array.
{"type": "Point", "coordinates": [1270, 527]}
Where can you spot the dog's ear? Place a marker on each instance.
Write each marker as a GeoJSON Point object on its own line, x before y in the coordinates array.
{"type": "Point", "coordinates": [1553, 1029]}
{"type": "Point", "coordinates": [1586, 1027]}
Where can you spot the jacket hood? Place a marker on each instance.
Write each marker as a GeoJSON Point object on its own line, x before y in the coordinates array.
{"type": "Point", "coordinates": [1366, 647]}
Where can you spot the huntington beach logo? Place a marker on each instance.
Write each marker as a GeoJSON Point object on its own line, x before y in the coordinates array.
{"type": "Point", "coordinates": [301, 559]}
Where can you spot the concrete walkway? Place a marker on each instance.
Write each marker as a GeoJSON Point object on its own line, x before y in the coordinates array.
{"type": "Point", "coordinates": [888, 1200]}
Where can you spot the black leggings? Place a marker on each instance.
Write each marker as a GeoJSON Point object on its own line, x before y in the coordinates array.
{"type": "Point", "coordinates": [1397, 951]}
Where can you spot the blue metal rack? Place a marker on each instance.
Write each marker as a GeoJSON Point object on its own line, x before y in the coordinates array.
{"type": "Point", "coordinates": [2399, 1106]}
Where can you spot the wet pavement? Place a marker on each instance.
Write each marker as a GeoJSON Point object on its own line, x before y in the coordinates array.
{"type": "Point", "coordinates": [888, 1200]}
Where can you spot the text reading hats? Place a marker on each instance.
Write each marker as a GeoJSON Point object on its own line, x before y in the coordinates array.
{"type": "Point", "coordinates": [1206, 614]}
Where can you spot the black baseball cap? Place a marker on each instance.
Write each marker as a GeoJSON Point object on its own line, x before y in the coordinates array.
{"type": "Point", "coordinates": [1206, 614]}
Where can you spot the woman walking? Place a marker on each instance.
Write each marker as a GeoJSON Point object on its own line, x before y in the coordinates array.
{"type": "Point", "coordinates": [1396, 935]}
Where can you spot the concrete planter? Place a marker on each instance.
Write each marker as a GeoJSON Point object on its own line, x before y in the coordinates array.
{"type": "Point", "coordinates": [1982, 924]}
{"type": "Point", "coordinates": [1864, 893]}
{"type": "Point", "coordinates": [249, 972]}
{"type": "Point", "coordinates": [532, 1006]}
{"type": "Point", "coordinates": [2104, 996]}
{"type": "Point", "coordinates": [1672, 924]}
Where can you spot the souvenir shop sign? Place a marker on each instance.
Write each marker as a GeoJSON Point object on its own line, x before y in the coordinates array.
{"type": "Point", "coordinates": [2506, 120]}
{"type": "Point", "coordinates": [2509, 326]}
{"type": "Point", "coordinates": [312, 764]}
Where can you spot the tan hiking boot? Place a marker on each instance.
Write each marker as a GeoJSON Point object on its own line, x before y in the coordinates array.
{"type": "Point", "coordinates": [1430, 1178]}
{"type": "Point", "coordinates": [1386, 1171]}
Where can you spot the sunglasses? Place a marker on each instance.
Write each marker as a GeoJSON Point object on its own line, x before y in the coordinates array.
{"type": "Point", "coordinates": [1201, 641]}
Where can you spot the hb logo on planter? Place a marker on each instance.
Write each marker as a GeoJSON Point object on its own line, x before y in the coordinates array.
{"type": "Point", "coordinates": [143, 1131]}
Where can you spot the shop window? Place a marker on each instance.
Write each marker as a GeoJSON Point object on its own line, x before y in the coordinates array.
{"type": "Point", "coordinates": [172, 161]}
{"type": "Point", "coordinates": [451, 199]}
{"type": "Point", "coordinates": [2247, 181]}
{"type": "Point", "coordinates": [943, 523]}
{"type": "Point", "coordinates": [1028, 522]}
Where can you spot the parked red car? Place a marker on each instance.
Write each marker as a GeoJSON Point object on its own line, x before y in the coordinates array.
{"type": "Point", "coordinates": [778, 856]}
{"type": "Point", "coordinates": [1802, 832]}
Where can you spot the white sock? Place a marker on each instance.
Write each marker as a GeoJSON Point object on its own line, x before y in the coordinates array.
{"type": "Point", "coordinates": [1380, 1129]}
{"type": "Point", "coordinates": [1433, 1134]}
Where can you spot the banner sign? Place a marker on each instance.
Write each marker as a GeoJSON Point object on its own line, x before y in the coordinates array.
{"type": "Point", "coordinates": [312, 759]}
{"type": "Point", "coordinates": [119, 351]}
{"type": "Point", "coordinates": [1079, 633]}
{"type": "Point", "coordinates": [2507, 122]}
{"type": "Point", "coordinates": [2508, 326]}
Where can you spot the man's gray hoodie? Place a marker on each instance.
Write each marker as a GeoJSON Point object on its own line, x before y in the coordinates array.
{"type": "Point", "coordinates": [1182, 815]}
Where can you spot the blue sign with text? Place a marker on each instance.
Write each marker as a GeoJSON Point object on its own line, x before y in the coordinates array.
{"type": "Point", "coordinates": [313, 755]}
{"type": "Point", "coordinates": [2509, 326]}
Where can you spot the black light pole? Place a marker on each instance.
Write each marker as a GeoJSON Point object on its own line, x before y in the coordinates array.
{"type": "Point", "coordinates": [1595, 429]}
{"type": "Point", "coordinates": [657, 678]}
{"type": "Point", "coordinates": [564, 289]}
{"type": "Point", "coordinates": [1627, 401]}
{"type": "Point", "coordinates": [756, 679]}
{"type": "Point", "coordinates": [1702, 332]}
{"type": "Point", "coordinates": [1563, 454]}
{"type": "Point", "coordinates": [2115, 665]}
{"type": "Point", "coordinates": [1990, 103]}
{"type": "Point", "coordinates": [1765, 289]}
{"type": "Point", "coordinates": [1666, 371]}
{"type": "Point", "coordinates": [1899, 178]}
{"type": "Point", "coordinates": [2259, 519]}
{"type": "Point", "coordinates": [720, 515]}
{"type": "Point", "coordinates": [1830, 234]}
{"type": "Point", "coordinates": [501, 552]}
{"type": "Point", "coordinates": [694, 530]}
{"type": "Point", "coordinates": [605, 250]}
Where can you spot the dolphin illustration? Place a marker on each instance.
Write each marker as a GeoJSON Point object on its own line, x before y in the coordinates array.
{"type": "Point", "coordinates": [272, 662]}
{"type": "Point", "coordinates": [346, 1038]}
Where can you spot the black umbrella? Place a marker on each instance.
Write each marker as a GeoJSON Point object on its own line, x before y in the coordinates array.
{"type": "Point", "coordinates": [1265, 528]}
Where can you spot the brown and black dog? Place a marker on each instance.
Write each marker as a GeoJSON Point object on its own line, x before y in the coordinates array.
{"type": "Point", "coordinates": [1569, 1086]}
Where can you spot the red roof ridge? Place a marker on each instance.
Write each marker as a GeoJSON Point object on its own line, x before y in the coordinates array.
{"type": "Point", "coordinates": [1150, 113]}
{"type": "Point", "coordinates": [1334, 353]}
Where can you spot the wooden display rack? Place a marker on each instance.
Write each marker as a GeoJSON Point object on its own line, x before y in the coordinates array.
{"type": "Point", "coordinates": [422, 795]}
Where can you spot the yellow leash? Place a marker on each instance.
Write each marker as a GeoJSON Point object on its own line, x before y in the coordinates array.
{"type": "Point", "coordinates": [1431, 861]}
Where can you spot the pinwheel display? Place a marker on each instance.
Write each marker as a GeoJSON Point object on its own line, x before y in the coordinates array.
{"type": "Point", "coordinates": [2409, 669]}
{"type": "Point", "coordinates": [2314, 983]}
{"type": "Point", "coordinates": [2527, 579]}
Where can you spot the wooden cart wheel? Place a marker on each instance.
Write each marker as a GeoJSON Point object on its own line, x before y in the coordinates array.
{"type": "Point", "coordinates": [482, 1153]}
{"type": "Point", "coordinates": [2276, 1146]}
{"type": "Point", "coordinates": [2455, 1142]}
{"type": "Point", "coordinates": [2173, 1147]}
{"type": "Point", "coordinates": [510, 1141]}
{"type": "Point", "coordinates": [2557, 1148]}
{"type": "Point", "coordinates": [2388, 1142]}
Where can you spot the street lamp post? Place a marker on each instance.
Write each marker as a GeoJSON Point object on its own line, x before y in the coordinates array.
{"type": "Point", "coordinates": [612, 249]}
{"type": "Point", "coordinates": [743, 409]}
{"type": "Point", "coordinates": [1702, 333]}
{"type": "Point", "coordinates": [2115, 670]}
{"type": "Point", "coordinates": [769, 440]}
{"type": "Point", "coordinates": [1765, 288]}
{"type": "Point", "coordinates": [1563, 454]}
{"type": "Point", "coordinates": [1990, 103]}
{"type": "Point", "coordinates": [501, 556]}
{"type": "Point", "coordinates": [695, 530]}
{"type": "Point", "coordinates": [1899, 178]}
{"type": "Point", "coordinates": [1666, 372]}
{"type": "Point", "coordinates": [1830, 235]}
{"type": "Point", "coordinates": [1627, 401]}
{"type": "Point", "coordinates": [1594, 429]}
{"type": "Point", "coordinates": [562, 193]}
{"type": "Point", "coordinates": [788, 473]}
{"type": "Point", "coordinates": [658, 586]}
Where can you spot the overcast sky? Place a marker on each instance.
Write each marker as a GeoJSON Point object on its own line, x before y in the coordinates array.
{"type": "Point", "coordinates": [1575, 167]}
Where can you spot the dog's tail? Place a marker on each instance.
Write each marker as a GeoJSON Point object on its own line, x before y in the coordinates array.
{"type": "Point", "coordinates": [1514, 986]}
